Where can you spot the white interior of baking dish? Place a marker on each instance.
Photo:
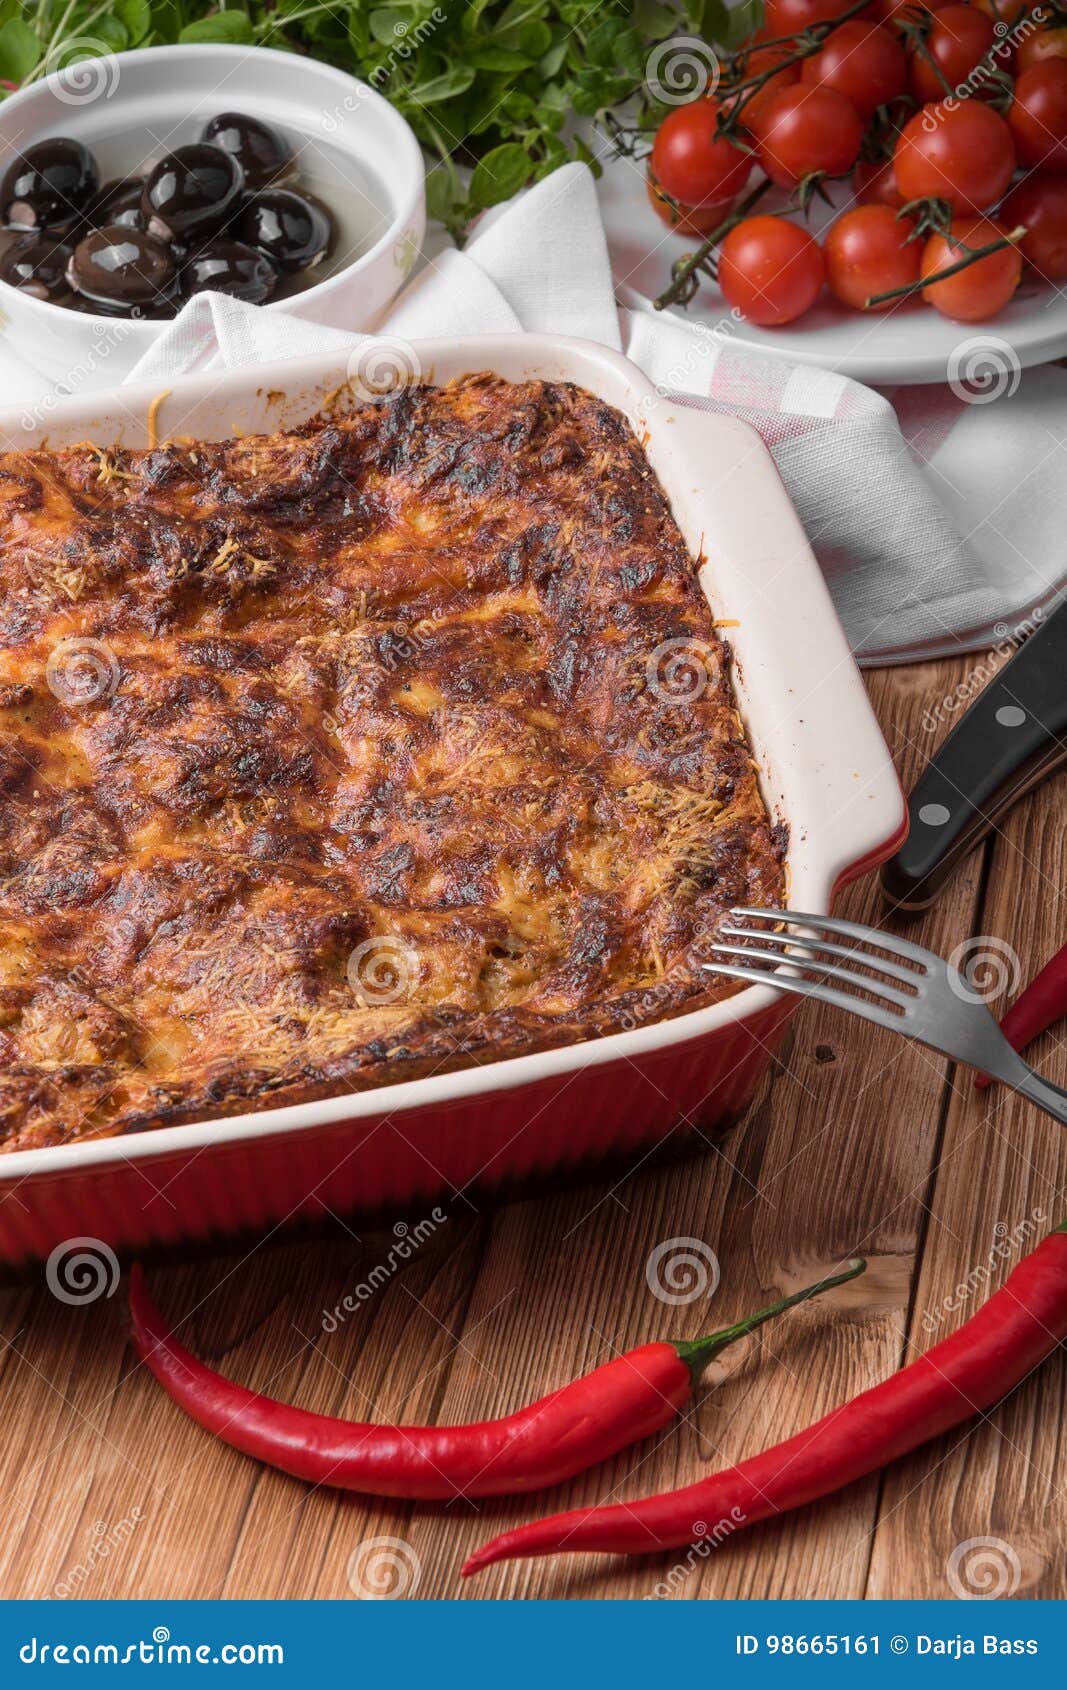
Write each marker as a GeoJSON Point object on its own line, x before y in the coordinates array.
{"type": "Point", "coordinates": [824, 766]}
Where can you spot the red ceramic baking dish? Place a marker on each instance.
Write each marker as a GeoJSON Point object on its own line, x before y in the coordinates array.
{"type": "Point", "coordinates": [825, 772]}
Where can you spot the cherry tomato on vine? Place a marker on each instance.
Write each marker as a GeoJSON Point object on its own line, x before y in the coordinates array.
{"type": "Point", "coordinates": [874, 182]}
{"type": "Point", "coordinates": [770, 270]}
{"type": "Point", "coordinates": [960, 153]}
{"type": "Point", "coordinates": [981, 290]}
{"type": "Point", "coordinates": [863, 62]}
{"type": "Point", "coordinates": [693, 163]}
{"type": "Point", "coordinates": [892, 12]}
{"type": "Point", "coordinates": [867, 252]}
{"type": "Point", "coordinates": [1041, 44]}
{"type": "Point", "coordinates": [1038, 116]}
{"type": "Point", "coordinates": [686, 219]}
{"type": "Point", "coordinates": [1004, 11]}
{"type": "Point", "coordinates": [808, 129]}
{"type": "Point", "coordinates": [753, 105]}
{"type": "Point", "coordinates": [959, 39]}
{"type": "Point", "coordinates": [789, 17]}
{"type": "Point", "coordinates": [1040, 203]}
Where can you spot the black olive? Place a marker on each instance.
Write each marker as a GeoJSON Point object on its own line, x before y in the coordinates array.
{"type": "Point", "coordinates": [49, 185]}
{"type": "Point", "coordinates": [117, 267]}
{"type": "Point", "coordinates": [293, 230]}
{"type": "Point", "coordinates": [154, 313]}
{"type": "Point", "coordinates": [118, 202]}
{"type": "Point", "coordinates": [233, 268]}
{"type": "Point", "coordinates": [259, 149]}
{"type": "Point", "coordinates": [37, 264]}
{"type": "Point", "coordinates": [191, 192]}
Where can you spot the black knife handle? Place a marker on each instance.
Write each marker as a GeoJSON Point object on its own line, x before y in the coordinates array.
{"type": "Point", "coordinates": [1009, 740]}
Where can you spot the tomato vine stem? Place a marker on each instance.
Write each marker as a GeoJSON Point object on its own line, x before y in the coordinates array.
{"type": "Point", "coordinates": [971, 255]}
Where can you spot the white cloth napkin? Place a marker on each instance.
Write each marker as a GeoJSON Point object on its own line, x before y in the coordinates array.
{"type": "Point", "coordinates": [936, 521]}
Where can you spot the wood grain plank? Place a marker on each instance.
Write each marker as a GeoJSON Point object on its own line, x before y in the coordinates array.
{"type": "Point", "coordinates": [1001, 1182]}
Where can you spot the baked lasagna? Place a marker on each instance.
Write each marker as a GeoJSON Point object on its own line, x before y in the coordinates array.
{"type": "Point", "coordinates": [348, 755]}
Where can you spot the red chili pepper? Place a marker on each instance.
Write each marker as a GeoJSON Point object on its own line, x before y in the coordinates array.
{"type": "Point", "coordinates": [1017, 1328]}
{"type": "Point", "coordinates": [551, 1440]}
{"type": "Point", "coordinates": [1041, 1003]}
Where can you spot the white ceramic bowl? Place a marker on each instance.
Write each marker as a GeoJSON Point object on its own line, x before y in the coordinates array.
{"type": "Point", "coordinates": [130, 108]}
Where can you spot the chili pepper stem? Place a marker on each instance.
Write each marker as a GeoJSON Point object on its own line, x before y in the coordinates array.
{"type": "Point", "coordinates": [969, 1371]}
{"type": "Point", "coordinates": [699, 1353]}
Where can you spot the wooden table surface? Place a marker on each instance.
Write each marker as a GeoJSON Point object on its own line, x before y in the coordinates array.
{"type": "Point", "coordinates": [856, 1142]}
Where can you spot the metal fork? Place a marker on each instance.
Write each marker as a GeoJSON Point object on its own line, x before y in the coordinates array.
{"type": "Point", "coordinates": [884, 979]}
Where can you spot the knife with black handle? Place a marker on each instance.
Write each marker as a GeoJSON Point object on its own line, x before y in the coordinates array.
{"type": "Point", "coordinates": [1010, 739]}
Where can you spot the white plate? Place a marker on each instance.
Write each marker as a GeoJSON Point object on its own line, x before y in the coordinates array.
{"type": "Point", "coordinates": [909, 344]}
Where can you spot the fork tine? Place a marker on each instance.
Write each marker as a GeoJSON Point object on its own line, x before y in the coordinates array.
{"type": "Point", "coordinates": [847, 929]}
{"type": "Point", "coordinates": [827, 971]}
{"type": "Point", "coordinates": [809, 989]}
{"type": "Point", "coordinates": [851, 953]}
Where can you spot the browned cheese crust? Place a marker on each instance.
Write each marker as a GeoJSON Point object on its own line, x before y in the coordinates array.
{"type": "Point", "coordinates": [396, 744]}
